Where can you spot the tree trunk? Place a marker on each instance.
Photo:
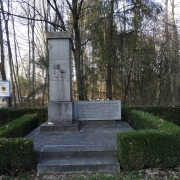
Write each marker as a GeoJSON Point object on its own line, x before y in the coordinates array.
{"type": "Point", "coordinates": [175, 45]}
{"type": "Point", "coordinates": [9, 53]}
{"type": "Point", "coordinates": [77, 50]}
{"type": "Point", "coordinates": [29, 54]}
{"type": "Point", "coordinates": [16, 76]}
{"type": "Point", "coordinates": [3, 73]}
{"type": "Point", "coordinates": [109, 56]}
{"type": "Point", "coordinates": [33, 58]}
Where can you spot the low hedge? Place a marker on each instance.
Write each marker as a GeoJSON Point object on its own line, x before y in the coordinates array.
{"type": "Point", "coordinates": [19, 127]}
{"type": "Point", "coordinates": [144, 120]}
{"type": "Point", "coordinates": [168, 113]}
{"type": "Point", "coordinates": [9, 114]}
{"type": "Point", "coordinates": [155, 144]}
{"type": "Point", "coordinates": [148, 148]}
{"type": "Point", "coordinates": [16, 155]}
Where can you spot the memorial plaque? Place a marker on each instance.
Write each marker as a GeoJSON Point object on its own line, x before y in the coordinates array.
{"type": "Point", "coordinates": [97, 110]}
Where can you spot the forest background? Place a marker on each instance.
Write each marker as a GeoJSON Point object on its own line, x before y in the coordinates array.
{"type": "Point", "coordinates": [122, 49]}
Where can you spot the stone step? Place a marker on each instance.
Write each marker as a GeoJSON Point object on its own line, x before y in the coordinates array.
{"type": "Point", "coordinates": [78, 165]}
{"type": "Point", "coordinates": [46, 128]}
{"type": "Point", "coordinates": [98, 123]}
{"type": "Point", "coordinates": [74, 151]}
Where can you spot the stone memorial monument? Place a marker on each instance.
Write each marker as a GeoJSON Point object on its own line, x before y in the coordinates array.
{"type": "Point", "coordinates": [63, 114]}
{"type": "Point", "coordinates": [60, 107]}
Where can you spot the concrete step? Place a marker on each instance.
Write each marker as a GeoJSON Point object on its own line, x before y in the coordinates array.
{"type": "Point", "coordinates": [46, 128]}
{"type": "Point", "coordinates": [74, 151]}
{"type": "Point", "coordinates": [78, 165]}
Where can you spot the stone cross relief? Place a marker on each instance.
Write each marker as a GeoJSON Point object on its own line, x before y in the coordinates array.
{"type": "Point", "coordinates": [58, 72]}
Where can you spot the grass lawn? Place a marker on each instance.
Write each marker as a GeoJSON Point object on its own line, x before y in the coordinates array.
{"type": "Point", "coordinates": [147, 174]}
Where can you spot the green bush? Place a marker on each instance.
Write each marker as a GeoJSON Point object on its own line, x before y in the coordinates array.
{"type": "Point", "coordinates": [145, 120]}
{"type": "Point", "coordinates": [171, 114]}
{"type": "Point", "coordinates": [19, 127]}
{"type": "Point", "coordinates": [16, 155]}
{"type": "Point", "coordinates": [148, 148]}
{"type": "Point", "coordinates": [125, 113]}
{"type": "Point", "coordinates": [9, 114]}
{"type": "Point", "coordinates": [155, 144]}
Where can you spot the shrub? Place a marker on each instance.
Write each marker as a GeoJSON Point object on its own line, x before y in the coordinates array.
{"type": "Point", "coordinates": [9, 114]}
{"type": "Point", "coordinates": [144, 120]}
{"type": "Point", "coordinates": [148, 148]}
{"type": "Point", "coordinates": [155, 144]}
{"type": "Point", "coordinates": [19, 127]}
{"type": "Point", "coordinates": [171, 114]}
{"type": "Point", "coordinates": [16, 155]}
{"type": "Point", "coordinates": [125, 112]}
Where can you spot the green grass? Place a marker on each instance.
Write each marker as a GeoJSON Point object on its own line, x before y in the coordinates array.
{"type": "Point", "coordinates": [23, 177]}
{"type": "Point", "coordinates": [6, 178]}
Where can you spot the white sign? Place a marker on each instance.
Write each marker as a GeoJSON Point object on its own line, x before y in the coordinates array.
{"type": "Point", "coordinates": [4, 89]}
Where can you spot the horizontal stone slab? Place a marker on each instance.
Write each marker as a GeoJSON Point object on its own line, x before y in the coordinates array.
{"type": "Point", "coordinates": [78, 165]}
{"type": "Point", "coordinates": [76, 151]}
{"type": "Point", "coordinates": [97, 110]}
{"type": "Point", "coordinates": [59, 35]}
{"type": "Point", "coordinates": [47, 128]}
{"type": "Point", "coordinates": [98, 123]}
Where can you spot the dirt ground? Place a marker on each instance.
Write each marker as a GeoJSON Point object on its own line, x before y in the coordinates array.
{"type": "Point", "coordinates": [147, 174]}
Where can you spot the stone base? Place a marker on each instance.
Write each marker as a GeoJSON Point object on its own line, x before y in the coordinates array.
{"type": "Point", "coordinates": [46, 128]}
{"type": "Point", "coordinates": [60, 113]}
{"type": "Point", "coordinates": [97, 123]}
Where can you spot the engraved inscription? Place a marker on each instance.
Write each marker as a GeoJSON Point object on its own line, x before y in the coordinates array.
{"type": "Point", "coordinates": [97, 110]}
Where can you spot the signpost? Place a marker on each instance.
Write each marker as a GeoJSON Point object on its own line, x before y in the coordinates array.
{"type": "Point", "coordinates": [4, 89]}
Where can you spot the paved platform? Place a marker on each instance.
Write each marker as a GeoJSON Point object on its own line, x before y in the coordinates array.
{"type": "Point", "coordinates": [83, 151]}
{"type": "Point", "coordinates": [87, 136]}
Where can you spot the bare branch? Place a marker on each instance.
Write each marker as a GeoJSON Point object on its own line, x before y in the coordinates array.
{"type": "Point", "coordinates": [79, 9]}
{"type": "Point", "coordinates": [86, 42]}
{"type": "Point", "coordinates": [70, 7]}
{"type": "Point", "coordinates": [34, 19]}
{"type": "Point", "coordinates": [60, 16]}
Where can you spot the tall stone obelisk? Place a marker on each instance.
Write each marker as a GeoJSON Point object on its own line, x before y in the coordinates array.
{"type": "Point", "coordinates": [60, 82]}
{"type": "Point", "coordinates": [60, 106]}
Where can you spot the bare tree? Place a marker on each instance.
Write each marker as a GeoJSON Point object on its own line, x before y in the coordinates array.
{"type": "Point", "coordinates": [2, 68]}
{"type": "Point", "coordinates": [6, 19]}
